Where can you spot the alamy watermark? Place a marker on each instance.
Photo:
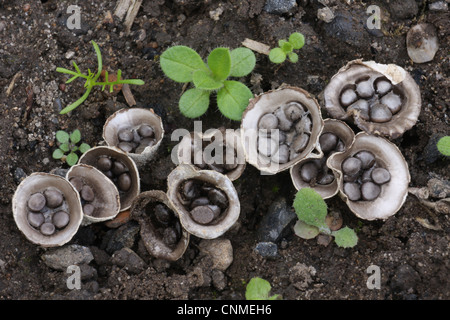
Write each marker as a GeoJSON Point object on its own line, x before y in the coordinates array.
{"type": "Point", "coordinates": [74, 20]}
{"type": "Point", "coordinates": [74, 280]}
{"type": "Point", "coordinates": [374, 280]}
{"type": "Point", "coordinates": [374, 20]}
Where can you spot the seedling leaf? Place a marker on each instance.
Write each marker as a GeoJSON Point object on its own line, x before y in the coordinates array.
{"type": "Point", "coordinates": [75, 136]}
{"type": "Point", "coordinates": [194, 103]}
{"type": "Point", "coordinates": [276, 55]}
{"type": "Point", "coordinates": [84, 147]}
{"type": "Point", "coordinates": [57, 154]}
{"type": "Point", "coordinates": [64, 147]}
{"type": "Point", "coordinates": [71, 159]}
{"type": "Point", "coordinates": [443, 145]}
{"type": "Point", "coordinates": [258, 289]}
{"type": "Point", "coordinates": [219, 61]}
{"type": "Point", "coordinates": [243, 62]}
{"type": "Point", "coordinates": [311, 208]}
{"type": "Point", "coordinates": [297, 40]}
{"type": "Point", "coordinates": [293, 57]}
{"type": "Point", "coordinates": [62, 136]}
{"type": "Point", "coordinates": [287, 47]}
{"type": "Point", "coordinates": [233, 98]}
{"type": "Point", "coordinates": [305, 231]}
{"type": "Point", "coordinates": [202, 80]}
{"type": "Point", "coordinates": [180, 62]}
{"type": "Point", "coordinates": [345, 237]}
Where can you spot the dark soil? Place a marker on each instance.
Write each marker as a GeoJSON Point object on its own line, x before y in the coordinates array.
{"type": "Point", "coordinates": [34, 40]}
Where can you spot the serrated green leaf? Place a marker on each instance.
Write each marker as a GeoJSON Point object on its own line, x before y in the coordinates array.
{"type": "Point", "coordinates": [62, 136]}
{"type": "Point", "coordinates": [233, 99]}
{"type": "Point", "coordinates": [243, 62]}
{"type": "Point", "coordinates": [84, 147]}
{"type": "Point", "coordinates": [194, 103]}
{"type": "Point", "coordinates": [71, 159]}
{"type": "Point", "coordinates": [345, 237]}
{"type": "Point", "coordinates": [202, 80]}
{"type": "Point", "coordinates": [180, 62]}
{"type": "Point", "coordinates": [64, 147]}
{"type": "Point", "coordinates": [259, 289]}
{"type": "Point", "coordinates": [219, 61]}
{"type": "Point", "coordinates": [297, 40]}
{"type": "Point", "coordinates": [277, 55]}
{"type": "Point", "coordinates": [287, 47]}
{"type": "Point", "coordinates": [75, 136]}
{"type": "Point", "coordinates": [57, 154]}
{"type": "Point", "coordinates": [293, 57]}
{"type": "Point", "coordinates": [443, 145]}
{"type": "Point", "coordinates": [311, 208]}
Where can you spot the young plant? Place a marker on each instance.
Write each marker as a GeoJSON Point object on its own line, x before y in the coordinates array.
{"type": "Point", "coordinates": [91, 79]}
{"type": "Point", "coordinates": [183, 64]}
{"type": "Point", "coordinates": [312, 211]}
{"type": "Point", "coordinates": [258, 289]}
{"type": "Point", "coordinates": [67, 144]}
{"type": "Point", "coordinates": [443, 145]}
{"type": "Point", "coordinates": [286, 48]}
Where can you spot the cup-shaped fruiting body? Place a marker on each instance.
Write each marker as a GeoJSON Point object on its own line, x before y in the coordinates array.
{"type": "Point", "coordinates": [217, 149]}
{"type": "Point", "coordinates": [314, 173]}
{"type": "Point", "coordinates": [136, 131]}
{"type": "Point", "coordinates": [382, 99]}
{"type": "Point", "coordinates": [47, 209]}
{"type": "Point", "coordinates": [280, 128]}
{"type": "Point", "coordinates": [373, 177]}
{"type": "Point", "coordinates": [160, 228]}
{"type": "Point", "coordinates": [99, 196]}
{"type": "Point", "coordinates": [119, 168]}
{"type": "Point", "coordinates": [205, 200]}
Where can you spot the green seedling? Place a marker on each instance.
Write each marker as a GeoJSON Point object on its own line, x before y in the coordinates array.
{"type": "Point", "coordinates": [312, 211]}
{"type": "Point", "coordinates": [443, 145]}
{"type": "Point", "coordinates": [91, 79]}
{"type": "Point", "coordinates": [286, 48]}
{"type": "Point", "coordinates": [259, 289]}
{"type": "Point", "coordinates": [67, 144]}
{"type": "Point", "coordinates": [183, 64]}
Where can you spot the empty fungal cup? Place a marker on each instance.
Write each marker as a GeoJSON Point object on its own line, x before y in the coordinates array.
{"type": "Point", "coordinates": [99, 196]}
{"type": "Point", "coordinates": [136, 131]}
{"type": "Point", "coordinates": [47, 209]}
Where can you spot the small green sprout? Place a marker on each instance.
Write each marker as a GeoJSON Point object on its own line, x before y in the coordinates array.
{"type": "Point", "coordinates": [91, 79]}
{"type": "Point", "coordinates": [285, 48]}
{"type": "Point", "coordinates": [258, 289]}
{"type": "Point", "coordinates": [67, 143]}
{"type": "Point", "coordinates": [443, 145]}
{"type": "Point", "coordinates": [311, 211]}
{"type": "Point", "coordinates": [183, 64]}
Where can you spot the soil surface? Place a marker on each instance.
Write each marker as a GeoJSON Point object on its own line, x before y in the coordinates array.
{"type": "Point", "coordinates": [410, 248]}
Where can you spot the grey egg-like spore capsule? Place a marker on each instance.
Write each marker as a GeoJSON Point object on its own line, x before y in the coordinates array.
{"type": "Point", "coordinates": [268, 121]}
{"type": "Point", "coordinates": [283, 122]}
{"type": "Point", "coordinates": [35, 219]}
{"type": "Point", "coordinates": [348, 96]}
{"type": "Point", "coordinates": [380, 113]}
{"type": "Point", "coordinates": [118, 168]}
{"type": "Point", "coordinates": [47, 228]}
{"type": "Point", "coordinates": [36, 202]}
{"type": "Point", "coordinates": [88, 209]}
{"type": "Point", "coordinates": [200, 201]}
{"type": "Point", "coordinates": [87, 193]}
{"type": "Point", "coordinates": [383, 86]}
{"type": "Point", "coordinates": [328, 142]}
{"type": "Point", "coordinates": [367, 159]}
{"type": "Point", "coordinates": [352, 190]}
{"type": "Point", "coordinates": [304, 125]}
{"type": "Point", "coordinates": [351, 166]}
{"type": "Point", "coordinates": [125, 134]}
{"type": "Point", "coordinates": [124, 182]}
{"type": "Point", "coordinates": [54, 198]}
{"type": "Point", "coordinates": [202, 214]}
{"type": "Point", "coordinates": [294, 111]}
{"type": "Point", "coordinates": [370, 191]}
{"type": "Point", "coordinates": [60, 219]}
{"type": "Point", "coordinates": [162, 214]}
{"type": "Point", "coordinates": [104, 163]}
{"type": "Point", "coordinates": [325, 178]}
{"type": "Point", "coordinates": [380, 175]}
{"type": "Point", "coordinates": [190, 190]}
{"type": "Point", "coordinates": [282, 156]}
{"type": "Point", "coordinates": [77, 183]}
{"type": "Point", "coordinates": [362, 107]}
{"type": "Point", "coordinates": [367, 175]}
{"type": "Point", "coordinates": [170, 236]}
{"type": "Point", "coordinates": [365, 89]}
{"type": "Point", "coordinates": [309, 171]}
{"type": "Point", "coordinates": [267, 146]}
{"type": "Point", "coordinates": [146, 131]}
{"type": "Point", "coordinates": [218, 197]}
{"type": "Point", "coordinates": [392, 101]}
{"type": "Point", "coordinates": [300, 142]}
{"type": "Point", "coordinates": [125, 146]}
